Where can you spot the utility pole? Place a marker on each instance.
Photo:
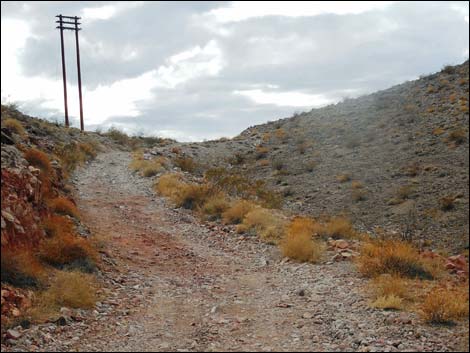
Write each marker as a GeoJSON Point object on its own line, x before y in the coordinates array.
{"type": "Point", "coordinates": [66, 24]}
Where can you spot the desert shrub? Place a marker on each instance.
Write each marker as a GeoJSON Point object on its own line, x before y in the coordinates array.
{"type": "Point", "coordinates": [147, 168]}
{"type": "Point", "coordinates": [240, 186]}
{"type": "Point", "coordinates": [281, 134]}
{"type": "Point", "coordinates": [237, 159]}
{"type": "Point", "coordinates": [192, 196]}
{"type": "Point", "coordinates": [444, 305]}
{"type": "Point", "coordinates": [448, 69]}
{"type": "Point", "coordinates": [168, 185]}
{"type": "Point", "coordinates": [343, 178]}
{"type": "Point", "coordinates": [457, 136]}
{"type": "Point", "coordinates": [265, 223]}
{"type": "Point", "coordinates": [118, 136]}
{"type": "Point", "coordinates": [447, 203]}
{"type": "Point", "coordinates": [64, 250]}
{"type": "Point", "coordinates": [237, 211]}
{"type": "Point", "coordinates": [56, 225]}
{"type": "Point", "coordinates": [394, 257]}
{"type": "Point", "coordinates": [63, 206]}
{"type": "Point", "coordinates": [176, 150]}
{"type": "Point", "coordinates": [404, 192]}
{"type": "Point", "coordinates": [263, 163]}
{"type": "Point", "coordinates": [15, 126]}
{"type": "Point", "coordinates": [387, 285]}
{"type": "Point", "coordinates": [356, 184]}
{"type": "Point", "coordinates": [438, 131]}
{"type": "Point", "coordinates": [20, 268]}
{"type": "Point", "coordinates": [359, 195]}
{"type": "Point", "coordinates": [310, 165]}
{"type": "Point", "coordinates": [215, 205]}
{"type": "Point", "coordinates": [70, 289]}
{"type": "Point", "coordinates": [339, 227]}
{"type": "Point", "coordinates": [39, 160]}
{"type": "Point", "coordinates": [388, 302]}
{"type": "Point", "coordinates": [431, 89]}
{"type": "Point", "coordinates": [186, 164]}
{"type": "Point", "coordinates": [299, 242]}
{"type": "Point", "coordinates": [261, 152]}
{"type": "Point", "coordinates": [266, 137]}
{"type": "Point", "coordinates": [89, 149]}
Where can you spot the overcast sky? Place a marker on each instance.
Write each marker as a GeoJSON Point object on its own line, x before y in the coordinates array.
{"type": "Point", "coordinates": [203, 70]}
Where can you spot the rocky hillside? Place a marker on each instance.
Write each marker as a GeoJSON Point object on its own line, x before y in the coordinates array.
{"type": "Point", "coordinates": [397, 159]}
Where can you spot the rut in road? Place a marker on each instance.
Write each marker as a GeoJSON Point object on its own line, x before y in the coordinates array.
{"type": "Point", "coordinates": [172, 283]}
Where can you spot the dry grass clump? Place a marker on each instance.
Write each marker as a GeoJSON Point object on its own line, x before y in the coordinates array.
{"type": "Point", "coordinates": [261, 152]}
{"type": "Point", "coordinates": [299, 242]}
{"type": "Point", "coordinates": [20, 268]}
{"type": "Point", "coordinates": [56, 225]}
{"type": "Point", "coordinates": [445, 305]}
{"type": "Point", "coordinates": [70, 289]}
{"type": "Point", "coordinates": [215, 205]}
{"type": "Point", "coordinates": [387, 285]}
{"type": "Point", "coordinates": [269, 225]}
{"type": "Point", "coordinates": [358, 195]}
{"type": "Point", "coordinates": [339, 227]}
{"type": "Point", "coordinates": [15, 126]}
{"type": "Point", "coordinates": [263, 163]}
{"type": "Point", "coordinates": [388, 302]}
{"type": "Point", "coordinates": [89, 149]}
{"type": "Point", "coordinates": [181, 193]}
{"type": "Point", "coordinates": [281, 134]}
{"type": "Point", "coordinates": [63, 206]}
{"type": "Point", "coordinates": [168, 185]}
{"type": "Point", "coordinates": [343, 178]}
{"type": "Point", "coordinates": [457, 136]}
{"type": "Point", "coordinates": [447, 203]}
{"type": "Point", "coordinates": [394, 257]}
{"type": "Point", "coordinates": [65, 250]}
{"type": "Point", "coordinates": [438, 131]}
{"type": "Point", "coordinates": [356, 184]}
{"type": "Point", "coordinates": [39, 160]}
{"type": "Point", "coordinates": [237, 211]}
{"type": "Point", "coordinates": [186, 164]}
{"type": "Point", "coordinates": [118, 136]}
{"type": "Point", "coordinates": [147, 168]}
{"type": "Point", "coordinates": [403, 193]}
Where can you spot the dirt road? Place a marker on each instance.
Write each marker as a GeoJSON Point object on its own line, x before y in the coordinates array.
{"type": "Point", "coordinates": [173, 284]}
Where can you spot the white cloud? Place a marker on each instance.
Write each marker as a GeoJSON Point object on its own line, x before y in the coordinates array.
{"type": "Point", "coordinates": [288, 99]}
{"type": "Point", "coordinates": [242, 10]}
{"type": "Point", "coordinates": [108, 11]}
{"type": "Point", "coordinates": [190, 64]}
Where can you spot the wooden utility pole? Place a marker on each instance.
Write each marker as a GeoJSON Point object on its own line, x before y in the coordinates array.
{"type": "Point", "coordinates": [66, 24]}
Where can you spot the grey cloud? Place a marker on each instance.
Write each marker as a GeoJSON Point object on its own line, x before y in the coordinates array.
{"type": "Point", "coordinates": [326, 54]}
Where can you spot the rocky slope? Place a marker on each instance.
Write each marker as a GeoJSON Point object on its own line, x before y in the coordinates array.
{"type": "Point", "coordinates": [397, 159]}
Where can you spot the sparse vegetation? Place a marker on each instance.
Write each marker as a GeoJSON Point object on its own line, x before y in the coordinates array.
{"type": "Point", "coordinates": [69, 289]}
{"type": "Point", "coordinates": [339, 227]}
{"type": "Point", "coordinates": [19, 267]}
{"type": "Point", "coordinates": [444, 305]}
{"type": "Point", "coordinates": [343, 178]}
{"type": "Point", "coordinates": [237, 211]}
{"type": "Point", "coordinates": [14, 126]}
{"type": "Point", "coordinates": [63, 206]}
{"type": "Point", "coordinates": [447, 203]}
{"type": "Point", "coordinates": [388, 302]}
{"type": "Point", "coordinates": [396, 258]}
{"type": "Point", "coordinates": [268, 224]}
{"type": "Point", "coordinates": [186, 164]}
{"type": "Point", "coordinates": [299, 242]}
{"type": "Point", "coordinates": [39, 160]}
